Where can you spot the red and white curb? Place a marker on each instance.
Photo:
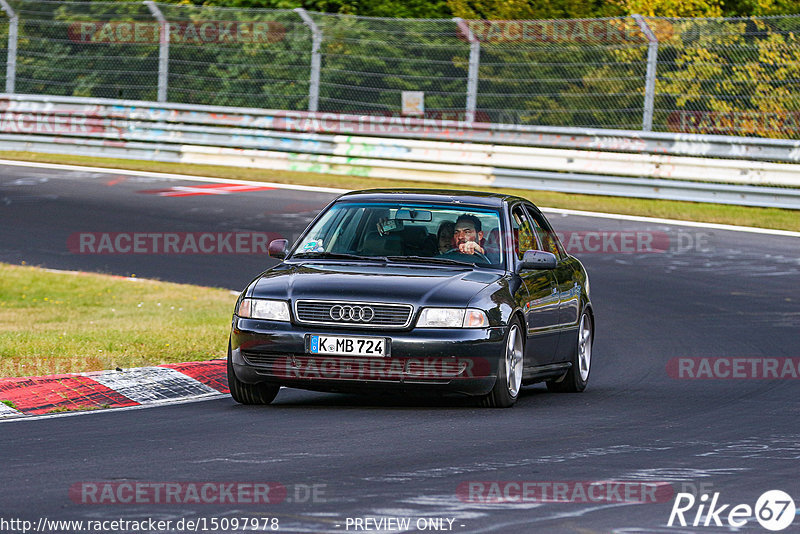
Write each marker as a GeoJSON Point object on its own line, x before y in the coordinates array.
{"type": "Point", "coordinates": [112, 389]}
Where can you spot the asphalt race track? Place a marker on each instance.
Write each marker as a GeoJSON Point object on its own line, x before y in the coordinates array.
{"type": "Point", "coordinates": [715, 294]}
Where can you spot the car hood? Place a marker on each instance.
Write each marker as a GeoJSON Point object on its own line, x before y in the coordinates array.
{"type": "Point", "coordinates": [419, 286]}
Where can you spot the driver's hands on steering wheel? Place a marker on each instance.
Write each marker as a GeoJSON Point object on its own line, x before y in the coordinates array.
{"type": "Point", "coordinates": [455, 252]}
{"type": "Point", "coordinates": [470, 247]}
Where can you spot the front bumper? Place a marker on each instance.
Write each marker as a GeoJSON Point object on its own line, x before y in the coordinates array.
{"type": "Point", "coordinates": [457, 360]}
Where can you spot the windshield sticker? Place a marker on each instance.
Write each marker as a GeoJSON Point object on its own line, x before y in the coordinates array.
{"type": "Point", "coordinates": [314, 246]}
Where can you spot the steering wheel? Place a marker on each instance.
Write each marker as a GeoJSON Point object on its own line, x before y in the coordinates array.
{"type": "Point", "coordinates": [454, 252]}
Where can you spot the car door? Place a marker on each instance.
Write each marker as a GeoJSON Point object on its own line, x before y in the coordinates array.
{"type": "Point", "coordinates": [566, 281]}
{"type": "Point", "coordinates": [537, 296]}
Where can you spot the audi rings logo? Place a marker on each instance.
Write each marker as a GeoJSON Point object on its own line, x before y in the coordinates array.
{"type": "Point", "coordinates": [354, 314]}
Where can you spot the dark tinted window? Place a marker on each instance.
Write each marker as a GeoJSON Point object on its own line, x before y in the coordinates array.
{"type": "Point", "coordinates": [546, 236]}
{"type": "Point", "coordinates": [522, 232]}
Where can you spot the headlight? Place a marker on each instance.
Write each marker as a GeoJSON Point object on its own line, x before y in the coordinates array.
{"type": "Point", "coordinates": [452, 318]}
{"type": "Point", "coordinates": [272, 310]}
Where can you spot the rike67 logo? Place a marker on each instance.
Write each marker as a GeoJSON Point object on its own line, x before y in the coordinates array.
{"type": "Point", "coordinates": [774, 510]}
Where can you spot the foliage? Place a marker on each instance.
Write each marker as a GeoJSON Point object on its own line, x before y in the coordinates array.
{"type": "Point", "coordinates": [667, 8]}
{"type": "Point", "coordinates": [523, 9]}
{"type": "Point", "coordinates": [736, 76]}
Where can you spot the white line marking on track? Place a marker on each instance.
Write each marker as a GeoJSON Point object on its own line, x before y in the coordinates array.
{"type": "Point", "coordinates": [656, 220]}
{"type": "Point", "coordinates": [169, 176]}
{"type": "Point", "coordinates": [188, 177]}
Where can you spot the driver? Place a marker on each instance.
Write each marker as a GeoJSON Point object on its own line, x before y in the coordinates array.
{"type": "Point", "coordinates": [468, 234]}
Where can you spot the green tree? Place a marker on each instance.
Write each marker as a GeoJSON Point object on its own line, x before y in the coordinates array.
{"type": "Point", "coordinates": [666, 8]}
{"type": "Point", "coordinates": [524, 9]}
{"type": "Point", "coordinates": [756, 8]}
{"type": "Point", "coordinates": [370, 8]}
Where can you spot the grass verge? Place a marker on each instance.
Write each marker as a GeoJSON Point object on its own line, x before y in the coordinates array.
{"type": "Point", "coordinates": [689, 211]}
{"type": "Point", "coordinates": [53, 323]}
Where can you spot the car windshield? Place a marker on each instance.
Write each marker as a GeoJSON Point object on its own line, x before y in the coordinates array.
{"type": "Point", "coordinates": [410, 233]}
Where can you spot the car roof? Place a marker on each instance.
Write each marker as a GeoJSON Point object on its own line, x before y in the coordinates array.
{"type": "Point", "coordinates": [474, 198]}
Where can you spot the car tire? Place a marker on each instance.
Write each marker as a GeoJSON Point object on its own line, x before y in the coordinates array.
{"type": "Point", "coordinates": [244, 393]}
{"type": "Point", "coordinates": [509, 370]}
{"type": "Point", "coordinates": [575, 380]}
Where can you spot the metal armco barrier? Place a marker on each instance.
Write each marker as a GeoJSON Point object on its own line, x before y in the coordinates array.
{"type": "Point", "coordinates": [733, 170]}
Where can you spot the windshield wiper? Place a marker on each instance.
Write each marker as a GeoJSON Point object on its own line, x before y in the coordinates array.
{"type": "Point", "coordinates": [427, 259]}
{"type": "Point", "coordinates": [338, 256]}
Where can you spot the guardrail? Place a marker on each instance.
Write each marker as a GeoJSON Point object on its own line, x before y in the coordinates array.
{"type": "Point", "coordinates": [722, 169]}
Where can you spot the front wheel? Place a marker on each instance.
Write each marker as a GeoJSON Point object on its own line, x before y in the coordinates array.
{"type": "Point", "coordinates": [509, 371]}
{"type": "Point", "coordinates": [244, 393]}
{"type": "Point", "coordinates": [578, 375]}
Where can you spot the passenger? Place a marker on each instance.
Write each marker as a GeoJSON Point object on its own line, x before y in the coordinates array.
{"type": "Point", "coordinates": [492, 243]}
{"type": "Point", "coordinates": [445, 236]}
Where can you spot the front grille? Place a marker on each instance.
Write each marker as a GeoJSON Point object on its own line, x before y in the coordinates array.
{"type": "Point", "coordinates": [257, 358]}
{"type": "Point", "coordinates": [310, 367]}
{"type": "Point", "coordinates": [313, 367]}
{"type": "Point", "coordinates": [363, 314]}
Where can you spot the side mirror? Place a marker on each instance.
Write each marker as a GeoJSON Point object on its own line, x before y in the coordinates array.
{"type": "Point", "coordinates": [278, 248]}
{"type": "Point", "coordinates": [538, 259]}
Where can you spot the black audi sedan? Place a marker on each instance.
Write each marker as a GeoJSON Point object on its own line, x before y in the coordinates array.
{"type": "Point", "coordinates": [416, 290]}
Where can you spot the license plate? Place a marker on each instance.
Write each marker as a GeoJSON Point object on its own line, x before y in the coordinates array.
{"type": "Point", "coordinates": [348, 345]}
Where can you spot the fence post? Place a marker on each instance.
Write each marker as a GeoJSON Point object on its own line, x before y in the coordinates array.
{"type": "Point", "coordinates": [316, 43]}
{"type": "Point", "coordinates": [474, 64]}
{"type": "Point", "coordinates": [163, 49]}
{"type": "Point", "coordinates": [650, 79]}
{"type": "Point", "coordinates": [11, 61]}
